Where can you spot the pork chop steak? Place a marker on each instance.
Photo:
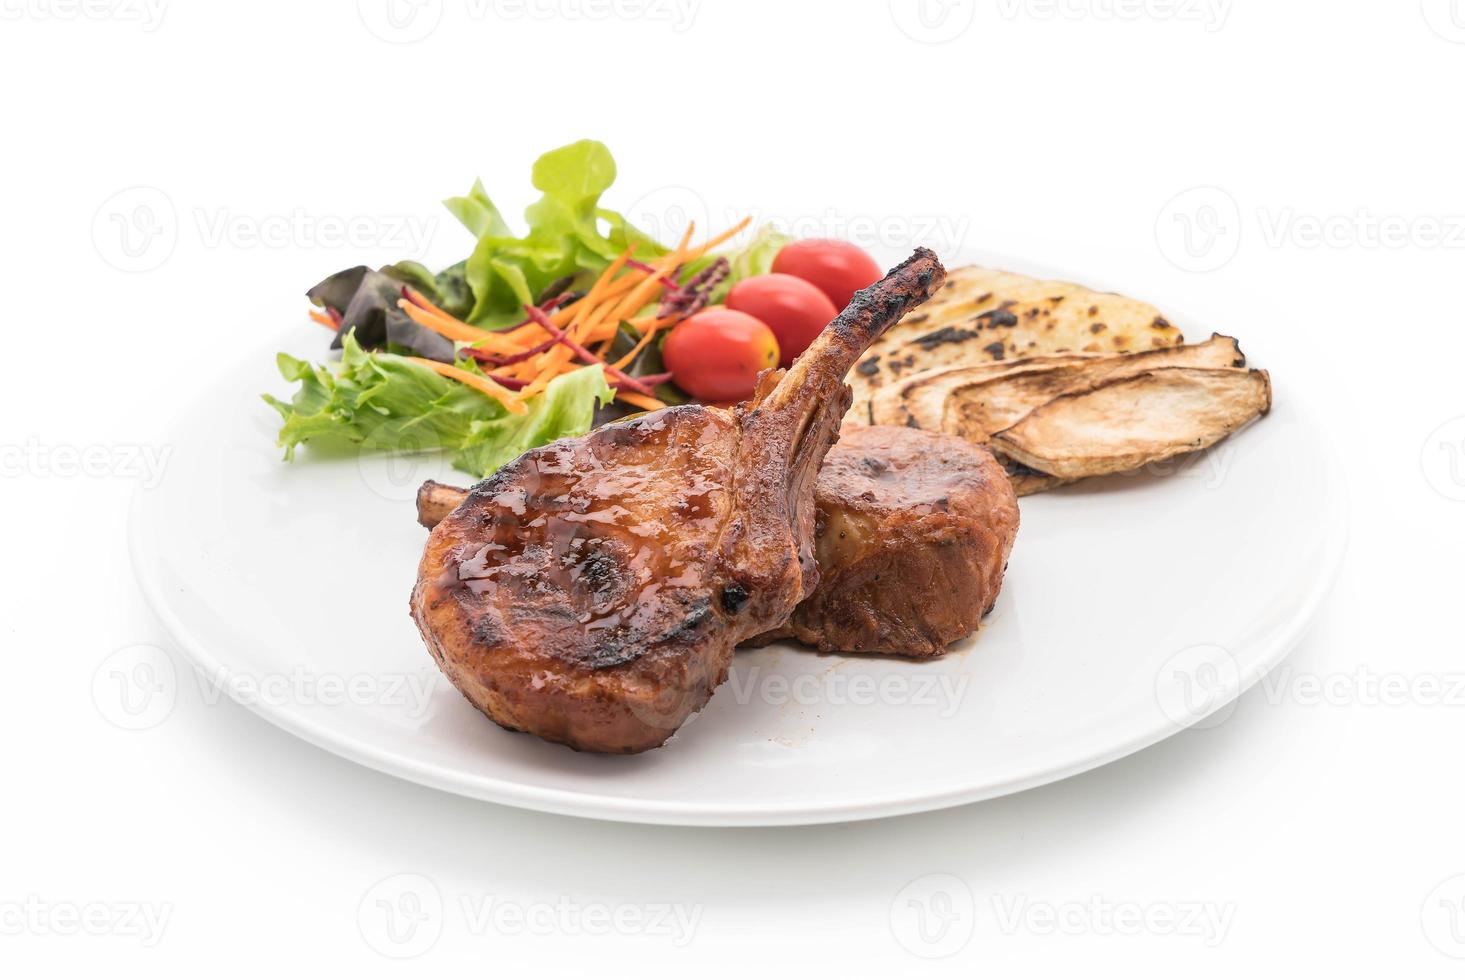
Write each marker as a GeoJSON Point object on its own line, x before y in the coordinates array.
{"type": "Point", "coordinates": [913, 535]}
{"type": "Point", "coordinates": [592, 591]}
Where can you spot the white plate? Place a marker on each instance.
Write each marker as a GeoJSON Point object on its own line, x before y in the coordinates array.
{"type": "Point", "coordinates": [1133, 607]}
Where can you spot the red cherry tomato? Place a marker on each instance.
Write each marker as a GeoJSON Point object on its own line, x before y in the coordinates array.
{"type": "Point", "coordinates": [837, 268]}
{"type": "Point", "coordinates": [795, 310]}
{"type": "Point", "coordinates": [715, 355]}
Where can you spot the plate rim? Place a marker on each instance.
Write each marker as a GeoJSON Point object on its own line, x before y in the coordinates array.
{"type": "Point", "coordinates": [576, 803]}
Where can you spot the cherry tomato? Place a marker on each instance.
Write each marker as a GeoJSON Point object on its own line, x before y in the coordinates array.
{"type": "Point", "coordinates": [837, 268]}
{"type": "Point", "coordinates": [715, 355]}
{"type": "Point", "coordinates": [794, 310]}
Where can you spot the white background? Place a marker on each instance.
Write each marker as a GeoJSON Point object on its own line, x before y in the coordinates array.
{"type": "Point", "coordinates": [1317, 824]}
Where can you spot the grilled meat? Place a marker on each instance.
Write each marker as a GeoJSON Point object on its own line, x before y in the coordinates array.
{"type": "Point", "coordinates": [592, 591]}
{"type": "Point", "coordinates": [913, 533]}
{"type": "Point", "coordinates": [913, 537]}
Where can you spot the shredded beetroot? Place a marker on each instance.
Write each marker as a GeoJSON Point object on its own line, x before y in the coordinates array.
{"type": "Point", "coordinates": [504, 360]}
{"type": "Point", "coordinates": [622, 379]}
{"type": "Point", "coordinates": [694, 295]}
{"type": "Point", "coordinates": [668, 284]}
{"type": "Point", "coordinates": [513, 384]}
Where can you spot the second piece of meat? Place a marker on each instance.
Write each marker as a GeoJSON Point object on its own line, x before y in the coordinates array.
{"type": "Point", "coordinates": [914, 530]}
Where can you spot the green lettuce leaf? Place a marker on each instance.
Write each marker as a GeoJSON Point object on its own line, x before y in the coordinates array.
{"type": "Point", "coordinates": [753, 259]}
{"type": "Point", "coordinates": [566, 408]}
{"type": "Point", "coordinates": [377, 401]}
{"type": "Point", "coordinates": [564, 238]}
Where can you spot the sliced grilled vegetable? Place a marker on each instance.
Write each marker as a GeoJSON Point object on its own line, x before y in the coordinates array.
{"type": "Point", "coordinates": [1134, 421]}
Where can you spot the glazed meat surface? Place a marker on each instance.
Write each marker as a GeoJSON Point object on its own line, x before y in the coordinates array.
{"type": "Point", "coordinates": [914, 530]}
{"type": "Point", "coordinates": [592, 591]}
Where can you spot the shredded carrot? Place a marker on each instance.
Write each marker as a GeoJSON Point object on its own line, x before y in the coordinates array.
{"type": "Point", "coordinates": [651, 330]}
{"type": "Point", "coordinates": [648, 285]}
{"type": "Point", "coordinates": [640, 401]}
{"type": "Point", "coordinates": [552, 342]}
{"type": "Point", "coordinates": [492, 389]}
{"type": "Point", "coordinates": [716, 240]}
{"type": "Point", "coordinates": [422, 301]}
{"type": "Point", "coordinates": [605, 277]}
{"type": "Point", "coordinates": [453, 329]}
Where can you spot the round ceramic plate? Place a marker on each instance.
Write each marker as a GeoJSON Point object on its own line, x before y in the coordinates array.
{"type": "Point", "coordinates": [1134, 606]}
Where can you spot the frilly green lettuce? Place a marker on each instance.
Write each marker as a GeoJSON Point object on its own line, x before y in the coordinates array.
{"type": "Point", "coordinates": [377, 401]}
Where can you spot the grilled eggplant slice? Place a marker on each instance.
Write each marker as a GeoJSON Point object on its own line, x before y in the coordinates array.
{"type": "Point", "coordinates": [1134, 421]}
{"type": "Point", "coordinates": [975, 402]}
{"type": "Point", "coordinates": [986, 315]}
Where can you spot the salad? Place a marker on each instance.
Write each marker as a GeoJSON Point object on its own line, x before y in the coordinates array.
{"type": "Point", "coordinates": [540, 336]}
